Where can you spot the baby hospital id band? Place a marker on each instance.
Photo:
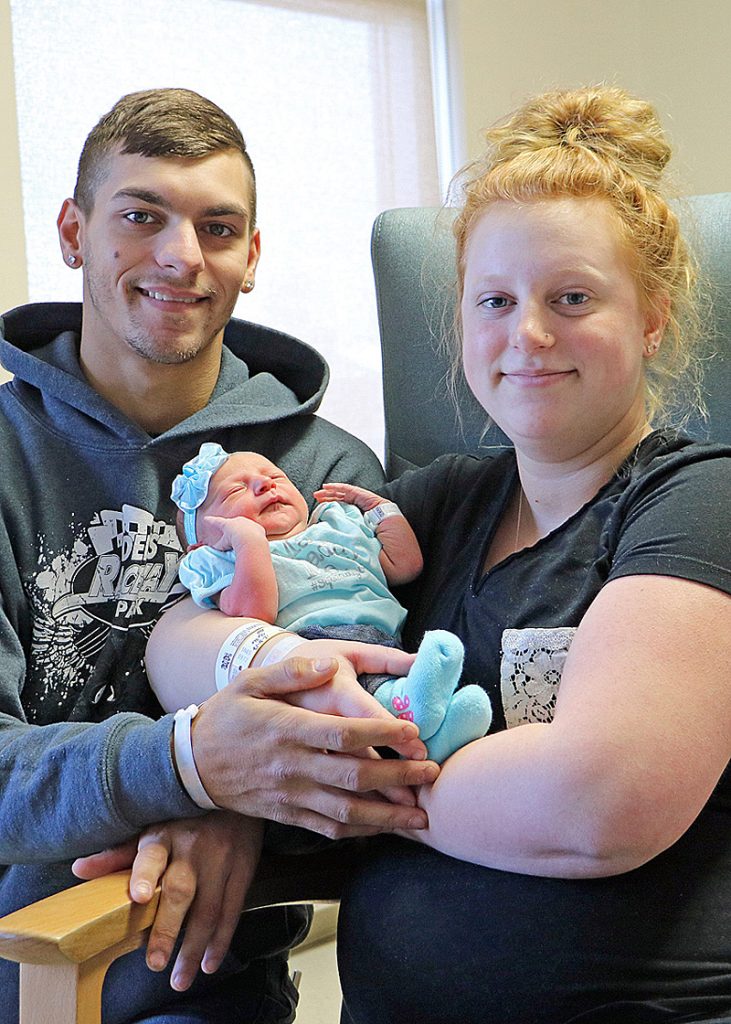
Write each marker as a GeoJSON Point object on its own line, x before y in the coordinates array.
{"type": "Point", "coordinates": [238, 649]}
{"type": "Point", "coordinates": [184, 760]}
{"type": "Point", "coordinates": [375, 516]}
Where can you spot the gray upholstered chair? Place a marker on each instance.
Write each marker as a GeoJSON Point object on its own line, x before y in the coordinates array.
{"type": "Point", "coordinates": [66, 943]}
{"type": "Point", "coordinates": [413, 260]}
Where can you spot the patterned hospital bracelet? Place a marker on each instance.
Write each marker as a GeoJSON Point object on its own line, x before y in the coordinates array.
{"type": "Point", "coordinates": [238, 649]}
{"type": "Point", "coordinates": [375, 516]}
{"type": "Point", "coordinates": [184, 760]}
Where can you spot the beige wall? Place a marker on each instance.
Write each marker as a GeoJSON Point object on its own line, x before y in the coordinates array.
{"type": "Point", "coordinates": [13, 276]}
{"type": "Point", "coordinates": [673, 52]}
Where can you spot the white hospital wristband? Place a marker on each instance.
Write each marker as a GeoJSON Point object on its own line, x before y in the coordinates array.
{"type": "Point", "coordinates": [184, 760]}
{"type": "Point", "coordinates": [238, 649]}
{"type": "Point", "coordinates": [375, 516]}
{"type": "Point", "coordinates": [280, 649]}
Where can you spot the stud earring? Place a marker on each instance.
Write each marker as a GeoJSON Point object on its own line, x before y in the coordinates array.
{"type": "Point", "coordinates": [651, 348]}
{"type": "Point", "coordinates": [248, 285]}
{"type": "Point", "coordinates": [71, 259]}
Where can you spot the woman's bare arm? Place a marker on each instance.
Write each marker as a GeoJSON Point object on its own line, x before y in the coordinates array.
{"type": "Point", "coordinates": [640, 737]}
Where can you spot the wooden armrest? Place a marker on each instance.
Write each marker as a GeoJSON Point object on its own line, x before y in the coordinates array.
{"type": "Point", "coordinates": [65, 943]}
{"type": "Point", "coordinates": [76, 924]}
{"type": "Point", "coordinates": [81, 922]}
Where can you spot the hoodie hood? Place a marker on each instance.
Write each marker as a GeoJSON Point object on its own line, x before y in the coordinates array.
{"type": "Point", "coordinates": [265, 376]}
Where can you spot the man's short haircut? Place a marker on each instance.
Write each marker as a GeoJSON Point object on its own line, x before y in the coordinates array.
{"type": "Point", "coordinates": [158, 123]}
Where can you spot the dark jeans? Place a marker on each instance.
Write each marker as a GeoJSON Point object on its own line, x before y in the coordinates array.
{"type": "Point", "coordinates": [428, 938]}
{"type": "Point", "coordinates": [261, 993]}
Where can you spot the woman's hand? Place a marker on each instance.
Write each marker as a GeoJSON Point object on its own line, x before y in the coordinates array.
{"type": "Point", "coordinates": [204, 867]}
{"type": "Point", "coordinates": [342, 694]}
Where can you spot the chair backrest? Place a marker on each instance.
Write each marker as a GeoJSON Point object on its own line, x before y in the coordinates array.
{"type": "Point", "coordinates": [413, 262]}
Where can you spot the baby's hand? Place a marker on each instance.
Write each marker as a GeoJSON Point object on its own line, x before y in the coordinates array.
{"type": "Point", "coordinates": [358, 496]}
{"type": "Point", "coordinates": [233, 534]}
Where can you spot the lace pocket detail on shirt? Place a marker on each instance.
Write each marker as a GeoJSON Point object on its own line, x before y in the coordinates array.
{"type": "Point", "coordinates": [531, 664]}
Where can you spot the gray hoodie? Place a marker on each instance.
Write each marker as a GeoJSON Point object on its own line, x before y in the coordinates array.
{"type": "Point", "coordinates": [88, 560]}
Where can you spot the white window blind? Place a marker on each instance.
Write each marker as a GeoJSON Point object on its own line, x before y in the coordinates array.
{"type": "Point", "coordinates": [334, 100]}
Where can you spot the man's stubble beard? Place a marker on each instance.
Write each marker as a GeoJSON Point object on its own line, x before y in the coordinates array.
{"type": "Point", "coordinates": [148, 348]}
{"type": "Point", "coordinates": [145, 344]}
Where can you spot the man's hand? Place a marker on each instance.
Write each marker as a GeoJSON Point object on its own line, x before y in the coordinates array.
{"type": "Point", "coordinates": [258, 755]}
{"type": "Point", "coordinates": [204, 866]}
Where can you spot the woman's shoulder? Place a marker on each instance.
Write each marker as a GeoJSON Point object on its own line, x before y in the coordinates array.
{"type": "Point", "coordinates": [666, 455]}
{"type": "Point", "coordinates": [672, 515]}
{"type": "Point", "coordinates": [452, 469]}
{"type": "Point", "coordinates": [453, 491]}
{"type": "Point", "coordinates": [667, 443]}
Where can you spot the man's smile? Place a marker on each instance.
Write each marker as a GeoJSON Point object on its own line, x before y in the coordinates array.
{"type": "Point", "coordinates": [159, 296]}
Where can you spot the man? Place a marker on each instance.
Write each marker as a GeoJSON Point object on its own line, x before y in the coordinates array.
{"type": "Point", "coordinates": [107, 401]}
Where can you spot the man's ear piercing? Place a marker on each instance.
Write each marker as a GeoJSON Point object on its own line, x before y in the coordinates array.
{"type": "Point", "coordinates": [71, 259]}
{"type": "Point", "coordinates": [248, 285]}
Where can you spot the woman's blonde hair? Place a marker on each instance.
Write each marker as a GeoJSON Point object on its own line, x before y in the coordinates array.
{"type": "Point", "coordinates": [600, 142]}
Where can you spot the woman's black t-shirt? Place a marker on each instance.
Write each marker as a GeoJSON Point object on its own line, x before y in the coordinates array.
{"type": "Point", "coordinates": [447, 941]}
{"type": "Point", "coordinates": [666, 511]}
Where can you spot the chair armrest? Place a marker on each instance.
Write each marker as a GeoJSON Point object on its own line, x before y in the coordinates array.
{"type": "Point", "coordinates": [77, 924]}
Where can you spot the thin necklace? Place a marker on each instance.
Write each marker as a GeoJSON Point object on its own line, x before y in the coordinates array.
{"type": "Point", "coordinates": [633, 456]}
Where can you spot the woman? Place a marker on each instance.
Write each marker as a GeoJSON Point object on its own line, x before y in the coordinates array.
{"type": "Point", "coordinates": [588, 875]}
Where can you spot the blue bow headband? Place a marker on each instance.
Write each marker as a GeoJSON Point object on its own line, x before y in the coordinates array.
{"type": "Point", "coordinates": [190, 487]}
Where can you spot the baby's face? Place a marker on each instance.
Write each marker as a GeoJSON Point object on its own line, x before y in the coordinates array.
{"type": "Point", "coordinates": [251, 486]}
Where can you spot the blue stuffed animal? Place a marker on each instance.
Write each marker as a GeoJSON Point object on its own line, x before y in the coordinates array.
{"type": "Point", "coordinates": [426, 696]}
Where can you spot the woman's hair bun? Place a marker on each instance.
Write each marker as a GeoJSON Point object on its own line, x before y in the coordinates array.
{"type": "Point", "coordinates": [603, 120]}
